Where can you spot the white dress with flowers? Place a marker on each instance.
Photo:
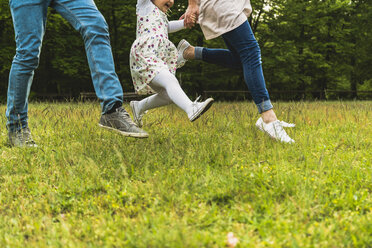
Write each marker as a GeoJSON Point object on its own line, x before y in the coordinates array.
{"type": "Point", "coordinates": [152, 51]}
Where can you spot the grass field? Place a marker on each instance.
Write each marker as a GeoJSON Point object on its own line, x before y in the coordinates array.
{"type": "Point", "coordinates": [190, 184]}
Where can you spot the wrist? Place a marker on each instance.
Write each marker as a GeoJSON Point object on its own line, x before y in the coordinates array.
{"type": "Point", "coordinates": [193, 3]}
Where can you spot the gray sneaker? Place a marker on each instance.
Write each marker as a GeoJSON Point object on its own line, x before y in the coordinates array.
{"type": "Point", "coordinates": [121, 122]}
{"type": "Point", "coordinates": [21, 138]}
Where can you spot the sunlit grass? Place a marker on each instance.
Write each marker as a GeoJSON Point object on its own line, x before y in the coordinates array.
{"type": "Point", "coordinates": [189, 184]}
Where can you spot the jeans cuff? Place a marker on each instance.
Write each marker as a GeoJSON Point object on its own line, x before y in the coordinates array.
{"type": "Point", "coordinates": [264, 106]}
{"type": "Point", "coordinates": [199, 53]}
{"type": "Point", "coordinates": [16, 127]}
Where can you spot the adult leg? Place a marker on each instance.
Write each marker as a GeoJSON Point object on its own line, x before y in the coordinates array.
{"type": "Point", "coordinates": [244, 43]}
{"type": "Point", "coordinates": [29, 26]}
{"type": "Point", "coordinates": [86, 18]}
{"type": "Point", "coordinates": [243, 50]}
{"type": "Point", "coordinates": [223, 57]}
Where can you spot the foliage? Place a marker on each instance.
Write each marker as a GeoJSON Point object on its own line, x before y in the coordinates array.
{"type": "Point", "coordinates": [319, 44]}
{"type": "Point", "coordinates": [190, 184]}
{"type": "Point", "coordinates": [306, 45]}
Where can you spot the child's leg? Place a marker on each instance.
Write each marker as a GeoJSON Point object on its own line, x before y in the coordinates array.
{"type": "Point", "coordinates": [155, 101]}
{"type": "Point", "coordinates": [172, 89]}
{"type": "Point", "coordinates": [169, 90]}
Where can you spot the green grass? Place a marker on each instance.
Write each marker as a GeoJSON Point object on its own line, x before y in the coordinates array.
{"type": "Point", "coordinates": [189, 184]}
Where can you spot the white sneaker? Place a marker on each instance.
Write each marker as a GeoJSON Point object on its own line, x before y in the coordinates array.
{"type": "Point", "coordinates": [182, 46]}
{"type": "Point", "coordinates": [199, 108]}
{"type": "Point", "coordinates": [136, 116]}
{"type": "Point", "coordinates": [275, 130]}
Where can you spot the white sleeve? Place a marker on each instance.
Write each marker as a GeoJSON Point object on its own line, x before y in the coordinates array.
{"type": "Point", "coordinates": [144, 7]}
{"type": "Point", "coordinates": [175, 26]}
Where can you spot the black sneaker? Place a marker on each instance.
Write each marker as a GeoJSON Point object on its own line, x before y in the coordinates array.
{"type": "Point", "coordinates": [21, 138]}
{"type": "Point", "coordinates": [121, 122]}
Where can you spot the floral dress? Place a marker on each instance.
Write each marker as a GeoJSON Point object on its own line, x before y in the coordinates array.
{"type": "Point", "coordinates": [152, 51]}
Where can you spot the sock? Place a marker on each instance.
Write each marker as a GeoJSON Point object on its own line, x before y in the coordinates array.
{"type": "Point", "coordinates": [114, 107]}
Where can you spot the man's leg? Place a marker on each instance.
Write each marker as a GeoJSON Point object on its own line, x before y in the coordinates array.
{"type": "Point", "coordinates": [86, 18]}
{"type": "Point", "coordinates": [29, 26]}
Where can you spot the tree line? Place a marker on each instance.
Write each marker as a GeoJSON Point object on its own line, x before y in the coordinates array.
{"type": "Point", "coordinates": [314, 46]}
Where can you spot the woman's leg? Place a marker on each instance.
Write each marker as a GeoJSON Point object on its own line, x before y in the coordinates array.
{"type": "Point", "coordinates": [244, 43]}
{"type": "Point", "coordinates": [243, 50]}
{"type": "Point", "coordinates": [223, 57]}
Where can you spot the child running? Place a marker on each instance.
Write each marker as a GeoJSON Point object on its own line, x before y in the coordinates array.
{"type": "Point", "coordinates": [153, 62]}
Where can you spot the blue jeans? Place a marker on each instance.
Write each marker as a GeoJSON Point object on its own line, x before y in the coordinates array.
{"type": "Point", "coordinates": [243, 51]}
{"type": "Point", "coordinates": [29, 20]}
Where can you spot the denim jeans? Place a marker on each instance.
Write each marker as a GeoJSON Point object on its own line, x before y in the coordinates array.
{"type": "Point", "coordinates": [243, 51]}
{"type": "Point", "coordinates": [29, 20]}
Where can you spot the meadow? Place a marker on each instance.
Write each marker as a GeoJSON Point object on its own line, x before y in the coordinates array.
{"type": "Point", "coordinates": [190, 184]}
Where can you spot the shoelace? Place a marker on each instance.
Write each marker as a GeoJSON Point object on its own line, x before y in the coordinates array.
{"type": "Point", "coordinates": [194, 103]}
{"type": "Point", "coordinates": [285, 124]}
{"type": "Point", "coordinates": [126, 116]}
{"type": "Point", "coordinates": [141, 115]}
{"type": "Point", "coordinates": [25, 135]}
{"type": "Point", "coordinates": [278, 127]}
{"type": "Point", "coordinates": [196, 100]}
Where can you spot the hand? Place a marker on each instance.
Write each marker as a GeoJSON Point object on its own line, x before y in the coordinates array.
{"type": "Point", "coordinates": [191, 16]}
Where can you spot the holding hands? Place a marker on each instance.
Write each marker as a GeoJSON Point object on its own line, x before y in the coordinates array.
{"type": "Point", "coordinates": [191, 15]}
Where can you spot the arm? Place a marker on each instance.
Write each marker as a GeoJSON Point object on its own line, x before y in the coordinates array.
{"type": "Point", "coordinates": [175, 26]}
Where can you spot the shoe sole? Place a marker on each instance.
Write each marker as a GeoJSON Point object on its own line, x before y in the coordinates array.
{"type": "Point", "coordinates": [127, 134]}
{"type": "Point", "coordinates": [131, 104]}
{"type": "Point", "coordinates": [183, 61]}
{"type": "Point", "coordinates": [261, 129]}
{"type": "Point", "coordinates": [205, 109]}
{"type": "Point", "coordinates": [22, 146]}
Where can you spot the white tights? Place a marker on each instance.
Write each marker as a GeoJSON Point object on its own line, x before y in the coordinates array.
{"type": "Point", "coordinates": [168, 91]}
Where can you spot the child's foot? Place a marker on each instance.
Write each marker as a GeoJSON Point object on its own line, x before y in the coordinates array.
{"type": "Point", "coordinates": [275, 130]}
{"type": "Point", "coordinates": [199, 108]}
{"type": "Point", "coordinates": [182, 46]}
{"type": "Point", "coordinates": [137, 117]}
